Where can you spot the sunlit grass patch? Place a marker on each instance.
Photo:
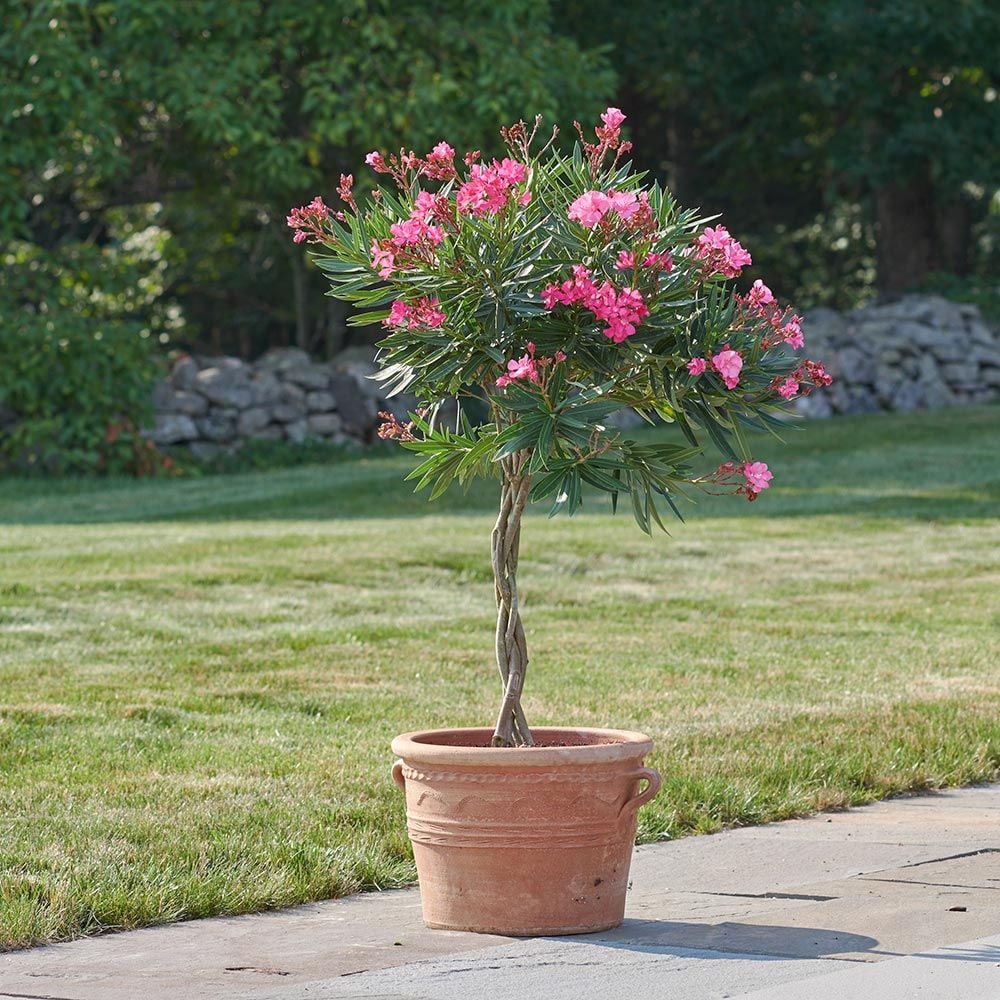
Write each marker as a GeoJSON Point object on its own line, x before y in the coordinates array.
{"type": "Point", "coordinates": [199, 682]}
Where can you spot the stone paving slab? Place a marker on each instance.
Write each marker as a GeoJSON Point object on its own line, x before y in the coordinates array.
{"type": "Point", "coordinates": [564, 969]}
{"type": "Point", "coordinates": [968, 971]}
{"type": "Point", "coordinates": [729, 915]}
{"type": "Point", "coordinates": [225, 956]}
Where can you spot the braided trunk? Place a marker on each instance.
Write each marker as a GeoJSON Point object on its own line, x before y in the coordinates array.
{"type": "Point", "coordinates": [511, 649]}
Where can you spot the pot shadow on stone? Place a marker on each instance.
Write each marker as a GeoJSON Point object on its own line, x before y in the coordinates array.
{"type": "Point", "coordinates": [733, 940]}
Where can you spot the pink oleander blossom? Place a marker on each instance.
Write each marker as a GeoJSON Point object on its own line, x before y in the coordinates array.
{"type": "Point", "coordinates": [590, 208]}
{"type": "Point", "coordinates": [659, 261]}
{"type": "Point", "coordinates": [620, 310]}
{"type": "Point", "coordinates": [520, 368]}
{"type": "Point", "coordinates": [721, 253]}
{"type": "Point", "coordinates": [308, 221]}
{"type": "Point", "coordinates": [424, 312]}
{"type": "Point", "coordinates": [510, 171]}
{"type": "Point", "coordinates": [383, 260]}
{"type": "Point", "coordinates": [759, 295]}
{"type": "Point", "coordinates": [747, 479]}
{"type": "Point", "coordinates": [423, 206]}
{"type": "Point", "coordinates": [439, 164]}
{"type": "Point", "coordinates": [625, 203]}
{"type": "Point", "coordinates": [488, 189]}
{"type": "Point", "coordinates": [346, 190]}
{"type": "Point", "coordinates": [787, 387]}
{"type": "Point", "coordinates": [612, 118]}
{"type": "Point", "coordinates": [608, 136]}
{"type": "Point", "coordinates": [697, 366]}
{"type": "Point", "coordinates": [728, 363]}
{"type": "Point", "coordinates": [652, 261]}
{"type": "Point", "coordinates": [758, 476]}
{"type": "Point", "coordinates": [816, 371]}
{"type": "Point", "coordinates": [415, 232]}
{"type": "Point", "coordinates": [806, 376]}
{"type": "Point", "coordinates": [399, 314]}
{"type": "Point", "coordinates": [791, 333]}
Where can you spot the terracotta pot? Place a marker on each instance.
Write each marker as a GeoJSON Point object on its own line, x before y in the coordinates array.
{"type": "Point", "coordinates": [523, 841]}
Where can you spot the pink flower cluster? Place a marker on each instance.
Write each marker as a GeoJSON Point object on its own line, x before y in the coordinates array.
{"type": "Point", "coordinates": [656, 261]}
{"type": "Point", "coordinates": [414, 236]}
{"type": "Point", "coordinates": [758, 476]}
{"type": "Point", "coordinates": [413, 232]}
{"type": "Point", "coordinates": [622, 310]}
{"type": "Point", "coordinates": [612, 119]}
{"type": "Point", "coordinates": [761, 302]}
{"type": "Point", "coordinates": [592, 206]}
{"type": "Point", "coordinates": [749, 479]}
{"type": "Point", "coordinates": [608, 138]}
{"type": "Point", "coordinates": [721, 253]}
{"type": "Point", "coordinates": [528, 368]}
{"type": "Point", "coordinates": [345, 189]}
{"type": "Point", "coordinates": [424, 312]}
{"type": "Point", "coordinates": [392, 430]}
{"type": "Point", "coordinates": [728, 363]}
{"type": "Point", "coordinates": [521, 368]}
{"type": "Point", "coordinates": [308, 220]}
{"type": "Point", "coordinates": [806, 377]}
{"type": "Point", "coordinates": [488, 189]}
{"type": "Point", "coordinates": [438, 165]}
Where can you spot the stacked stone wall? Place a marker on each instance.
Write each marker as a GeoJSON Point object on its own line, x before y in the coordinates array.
{"type": "Point", "coordinates": [211, 405]}
{"type": "Point", "coordinates": [919, 352]}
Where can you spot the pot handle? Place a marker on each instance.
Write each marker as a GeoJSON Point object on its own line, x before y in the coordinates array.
{"type": "Point", "coordinates": [397, 775]}
{"type": "Point", "coordinates": [653, 782]}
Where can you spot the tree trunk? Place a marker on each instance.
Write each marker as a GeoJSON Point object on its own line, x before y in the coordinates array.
{"type": "Point", "coordinates": [335, 334]}
{"type": "Point", "coordinates": [300, 289]}
{"type": "Point", "coordinates": [904, 214]}
{"type": "Point", "coordinates": [511, 648]}
{"type": "Point", "coordinates": [952, 250]}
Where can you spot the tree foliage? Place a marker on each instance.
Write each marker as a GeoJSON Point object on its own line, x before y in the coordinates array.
{"type": "Point", "coordinates": [786, 115]}
{"type": "Point", "coordinates": [219, 114]}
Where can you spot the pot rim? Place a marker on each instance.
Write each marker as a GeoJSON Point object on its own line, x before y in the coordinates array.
{"type": "Point", "coordinates": [458, 747]}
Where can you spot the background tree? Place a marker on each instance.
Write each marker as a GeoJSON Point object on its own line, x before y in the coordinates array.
{"type": "Point", "coordinates": [163, 142]}
{"type": "Point", "coordinates": [208, 119]}
{"type": "Point", "coordinates": [878, 121]}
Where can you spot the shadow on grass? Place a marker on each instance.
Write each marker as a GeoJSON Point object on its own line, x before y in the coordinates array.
{"type": "Point", "coordinates": [928, 466]}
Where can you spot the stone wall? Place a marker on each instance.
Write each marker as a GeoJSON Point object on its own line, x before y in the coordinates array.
{"type": "Point", "coordinates": [211, 405]}
{"type": "Point", "coordinates": [918, 352]}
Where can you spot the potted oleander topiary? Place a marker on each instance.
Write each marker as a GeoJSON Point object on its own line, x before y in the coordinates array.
{"type": "Point", "coordinates": [555, 290]}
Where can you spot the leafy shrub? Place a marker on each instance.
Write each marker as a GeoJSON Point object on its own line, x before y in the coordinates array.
{"type": "Point", "coordinates": [77, 363]}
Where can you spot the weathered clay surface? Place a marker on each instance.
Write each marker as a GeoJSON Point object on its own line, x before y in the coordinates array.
{"type": "Point", "coordinates": [524, 841]}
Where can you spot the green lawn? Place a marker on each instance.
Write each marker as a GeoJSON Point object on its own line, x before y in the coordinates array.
{"type": "Point", "coordinates": [199, 679]}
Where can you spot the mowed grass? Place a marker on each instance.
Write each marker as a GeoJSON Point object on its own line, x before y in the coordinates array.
{"type": "Point", "coordinates": [199, 680]}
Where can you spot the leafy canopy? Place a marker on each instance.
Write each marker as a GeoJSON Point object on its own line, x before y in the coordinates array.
{"type": "Point", "coordinates": [559, 289]}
